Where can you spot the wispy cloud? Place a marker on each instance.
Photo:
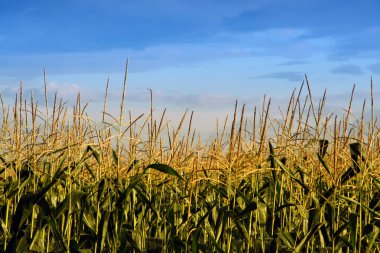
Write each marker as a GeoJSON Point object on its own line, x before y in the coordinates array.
{"type": "Point", "coordinates": [224, 45]}
{"type": "Point", "coordinates": [30, 10]}
{"type": "Point", "coordinates": [362, 43]}
{"type": "Point", "coordinates": [286, 75]}
{"type": "Point", "coordinates": [67, 91]}
{"type": "Point", "coordinates": [375, 68]}
{"type": "Point", "coordinates": [190, 100]}
{"type": "Point", "coordinates": [293, 63]}
{"type": "Point", "coordinates": [349, 69]}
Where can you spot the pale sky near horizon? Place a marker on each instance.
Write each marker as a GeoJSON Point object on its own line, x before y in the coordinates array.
{"type": "Point", "coordinates": [200, 55]}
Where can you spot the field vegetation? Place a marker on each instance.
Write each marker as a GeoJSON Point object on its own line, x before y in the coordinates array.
{"type": "Point", "coordinates": [305, 182]}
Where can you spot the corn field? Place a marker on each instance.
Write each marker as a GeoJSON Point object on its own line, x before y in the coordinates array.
{"type": "Point", "coordinates": [304, 183]}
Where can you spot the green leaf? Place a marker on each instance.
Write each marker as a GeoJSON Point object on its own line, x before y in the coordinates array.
{"type": "Point", "coordinates": [18, 188]}
{"type": "Point", "coordinates": [115, 157]}
{"type": "Point", "coordinates": [127, 237]}
{"type": "Point", "coordinates": [56, 177]}
{"type": "Point", "coordinates": [94, 153]}
{"type": "Point", "coordinates": [262, 214]}
{"type": "Point", "coordinates": [214, 242]}
{"type": "Point", "coordinates": [23, 211]}
{"type": "Point", "coordinates": [377, 214]}
{"type": "Point", "coordinates": [283, 167]}
{"type": "Point", "coordinates": [164, 169]}
{"type": "Point", "coordinates": [88, 168]}
{"type": "Point", "coordinates": [134, 164]}
{"type": "Point", "coordinates": [101, 189]}
{"type": "Point", "coordinates": [353, 220]}
{"type": "Point", "coordinates": [72, 199]}
{"type": "Point", "coordinates": [272, 161]}
{"type": "Point", "coordinates": [102, 231]}
{"type": "Point", "coordinates": [202, 219]}
{"type": "Point", "coordinates": [307, 238]}
{"type": "Point", "coordinates": [324, 165]}
{"type": "Point", "coordinates": [89, 218]}
{"type": "Point", "coordinates": [242, 229]}
{"type": "Point", "coordinates": [284, 206]}
{"type": "Point", "coordinates": [323, 144]}
{"type": "Point", "coordinates": [286, 238]}
{"type": "Point", "coordinates": [248, 209]}
{"type": "Point", "coordinates": [372, 237]}
{"type": "Point", "coordinates": [221, 222]}
{"type": "Point", "coordinates": [195, 240]}
{"type": "Point", "coordinates": [145, 200]}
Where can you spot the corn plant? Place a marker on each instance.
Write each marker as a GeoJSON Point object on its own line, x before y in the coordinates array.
{"type": "Point", "coordinates": [306, 182]}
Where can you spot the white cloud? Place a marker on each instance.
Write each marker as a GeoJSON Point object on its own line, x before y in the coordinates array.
{"type": "Point", "coordinates": [64, 90]}
{"type": "Point", "coordinates": [282, 43]}
{"type": "Point", "coordinates": [348, 69]}
{"type": "Point", "coordinates": [375, 68]}
{"type": "Point", "coordinates": [286, 75]}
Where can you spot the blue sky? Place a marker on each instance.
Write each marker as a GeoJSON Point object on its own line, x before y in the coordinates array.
{"type": "Point", "coordinates": [200, 54]}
